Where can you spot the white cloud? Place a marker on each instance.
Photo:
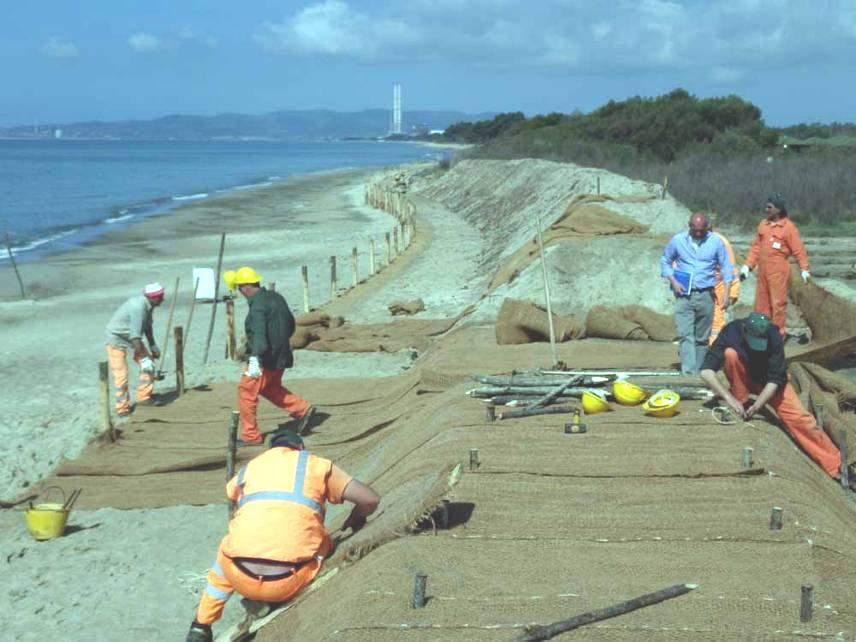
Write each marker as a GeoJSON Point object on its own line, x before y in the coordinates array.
{"type": "Point", "coordinates": [143, 42]}
{"type": "Point", "coordinates": [722, 39]}
{"type": "Point", "coordinates": [59, 48]}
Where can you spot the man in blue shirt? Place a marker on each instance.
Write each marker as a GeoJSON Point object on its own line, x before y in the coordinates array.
{"type": "Point", "coordinates": [689, 264]}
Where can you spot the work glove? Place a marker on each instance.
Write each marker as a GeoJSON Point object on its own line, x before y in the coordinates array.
{"type": "Point", "coordinates": [806, 275]}
{"type": "Point", "coordinates": [254, 370]}
{"type": "Point", "coordinates": [744, 272]}
{"type": "Point", "coordinates": [147, 365]}
{"type": "Point", "coordinates": [355, 522]}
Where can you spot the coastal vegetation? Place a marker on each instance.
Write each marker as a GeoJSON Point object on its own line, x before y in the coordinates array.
{"type": "Point", "coordinates": [718, 153]}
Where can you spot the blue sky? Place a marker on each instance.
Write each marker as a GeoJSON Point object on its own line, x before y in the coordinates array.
{"type": "Point", "coordinates": [66, 61]}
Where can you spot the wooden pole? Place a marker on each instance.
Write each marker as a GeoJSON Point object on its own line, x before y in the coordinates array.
{"type": "Point", "coordinates": [104, 395]}
{"type": "Point", "coordinates": [806, 603]}
{"type": "Point", "coordinates": [14, 264]}
{"type": "Point", "coordinates": [537, 633]}
{"type": "Point", "coordinates": [598, 185]}
{"type": "Point", "coordinates": [401, 234]}
{"type": "Point", "coordinates": [420, 581]}
{"type": "Point", "coordinates": [547, 295]}
{"type": "Point", "coordinates": [304, 276]}
{"type": "Point", "coordinates": [355, 277]}
{"type": "Point", "coordinates": [179, 360]}
{"type": "Point", "coordinates": [531, 411]}
{"type": "Point", "coordinates": [192, 307]}
{"type": "Point", "coordinates": [333, 288]}
{"type": "Point", "coordinates": [490, 412]}
{"type": "Point", "coordinates": [371, 258]}
{"type": "Point", "coordinates": [216, 297]}
{"type": "Point", "coordinates": [665, 187]}
{"type": "Point", "coordinates": [230, 328]}
{"type": "Point", "coordinates": [232, 451]}
{"type": "Point", "coordinates": [845, 455]}
{"type": "Point", "coordinates": [388, 249]}
{"type": "Point", "coordinates": [168, 325]}
{"type": "Point", "coordinates": [776, 519]}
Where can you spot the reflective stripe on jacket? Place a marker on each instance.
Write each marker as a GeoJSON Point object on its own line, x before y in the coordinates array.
{"type": "Point", "coordinates": [281, 496]}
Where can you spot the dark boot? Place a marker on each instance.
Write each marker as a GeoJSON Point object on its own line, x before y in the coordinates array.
{"type": "Point", "coordinates": [199, 633]}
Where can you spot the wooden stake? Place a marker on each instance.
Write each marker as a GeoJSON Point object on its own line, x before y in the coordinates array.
{"type": "Point", "coordinates": [776, 519]}
{"type": "Point", "coordinates": [395, 240]}
{"type": "Point", "coordinates": [747, 457]}
{"type": "Point", "coordinates": [104, 395]}
{"type": "Point", "coordinates": [536, 633]}
{"type": "Point", "coordinates": [474, 458]}
{"type": "Point", "coordinates": [216, 297]}
{"type": "Point", "coordinates": [490, 412]}
{"type": "Point", "coordinates": [401, 234]}
{"type": "Point", "coordinates": [665, 187]}
{"type": "Point", "coordinates": [845, 456]}
{"type": "Point", "coordinates": [304, 276]}
{"type": "Point", "coordinates": [231, 451]}
{"type": "Point", "coordinates": [598, 185]}
{"type": "Point", "coordinates": [371, 258]}
{"type": "Point", "coordinates": [333, 288]}
{"type": "Point", "coordinates": [806, 602]}
{"type": "Point", "coordinates": [388, 249]}
{"type": "Point", "coordinates": [547, 295]}
{"type": "Point", "coordinates": [355, 277]}
{"type": "Point", "coordinates": [534, 410]}
{"type": "Point", "coordinates": [168, 325]}
{"type": "Point", "coordinates": [230, 328]}
{"type": "Point", "coordinates": [14, 264]}
{"type": "Point", "coordinates": [179, 360]}
{"type": "Point", "coordinates": [420, 581]}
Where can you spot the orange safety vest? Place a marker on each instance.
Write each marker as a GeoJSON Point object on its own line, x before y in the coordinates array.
{"type": "Point", "coordinates": [281, 496]}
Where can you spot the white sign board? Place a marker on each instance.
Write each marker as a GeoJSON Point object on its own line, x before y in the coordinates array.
{"type": "Point", "coordinates": [204, 278]}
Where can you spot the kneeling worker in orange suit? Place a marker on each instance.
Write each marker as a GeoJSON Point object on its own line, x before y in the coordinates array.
{"type": "Point", "coordinates": [277, 541]}
{"type": "Point", "coordinates": [269, 326]}
{"type": "Point", "coordinates": [752, 353]}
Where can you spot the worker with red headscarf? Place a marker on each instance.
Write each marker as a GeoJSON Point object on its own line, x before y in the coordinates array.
{"type": "Point", "coordinates": [125, 331]}
{"type": "Point", "coordinates": [776, 240]}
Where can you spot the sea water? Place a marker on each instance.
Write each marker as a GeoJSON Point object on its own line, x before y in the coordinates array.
{"type": "Point", "coordinates": [57, 194]}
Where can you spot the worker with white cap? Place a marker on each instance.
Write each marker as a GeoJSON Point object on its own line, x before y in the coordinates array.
{"type": "Point", "coordinates": [129, 323]}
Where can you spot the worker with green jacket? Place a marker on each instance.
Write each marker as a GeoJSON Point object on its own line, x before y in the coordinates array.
{"type": "Point", "coordinates": [269, 326]}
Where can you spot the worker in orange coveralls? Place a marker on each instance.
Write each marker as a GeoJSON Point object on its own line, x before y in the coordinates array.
{"type": "Point", "coordinates": [752, 354]}
{"type": "Point", "coordinates": [269, 326]}
{"type": "Point", "coordinates": [277, 541]}
{"type": "Point", "coordinates": [777, 239]}
{"type": "Point", "coordinates": [720, 288]}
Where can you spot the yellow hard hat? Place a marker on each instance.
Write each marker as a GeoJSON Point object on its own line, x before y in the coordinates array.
{"type": "Point", "coordinates": [628, 394]}
{"type": "Point", "coordinates": [663, 403]}
{"type": "Point", "coordinates": [246, 275]}
{"type": "Point", "coordinates": [229, 278]}
{"type": "Point", "coordinates": [594, 401]}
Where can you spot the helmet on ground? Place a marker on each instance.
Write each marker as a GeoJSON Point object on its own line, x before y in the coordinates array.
{"type": "Point", "coordinates": [285, 438]}
{"type": "Point", "coordinates": [663, 403]}
{"type": "Point", "coordinates": [594, 401]}
{"type": "Point", "coordinates": [628, 394]}
{"type": "Point", "coordinates": [245, 275]}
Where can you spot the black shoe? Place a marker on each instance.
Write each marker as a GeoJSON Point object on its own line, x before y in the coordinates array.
{"type": "Point", "coordinates": [199, 633]}
{"type": "Point", "coordinates": [151, 401]}
{"type": "Point", "coordinates": [303, 426]}
{"type": "Point", "coordinates": [243, 444]}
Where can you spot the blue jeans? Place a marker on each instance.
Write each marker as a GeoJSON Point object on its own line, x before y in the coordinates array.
{"type": "Point", "coordinates": [693, 318]}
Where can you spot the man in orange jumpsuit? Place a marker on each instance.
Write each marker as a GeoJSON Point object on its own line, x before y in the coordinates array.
{"type": "Point", "coordinates": [720, 289]}
{"type": "Point", "coordinates": [269, 326]}
{"type": "Point", "coordinates": [777, 239]}
{"type": "Point", "coordinates": [277, 541]}
{"type": "Point", "coordinates": [752, 353]}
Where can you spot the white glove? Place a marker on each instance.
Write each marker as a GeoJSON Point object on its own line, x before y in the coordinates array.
{"type": "Point", "coordinates": [147, 365]}
{"type": "Point", "coordinates": [805, 274]}
{"type": "Point", "coordinates": [254, 370]}
{"type": "Point", "coordinates": [744, 272]}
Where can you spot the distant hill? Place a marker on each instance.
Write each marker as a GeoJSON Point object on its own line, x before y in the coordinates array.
{"type": "Point", "coordinates": [316, 124]}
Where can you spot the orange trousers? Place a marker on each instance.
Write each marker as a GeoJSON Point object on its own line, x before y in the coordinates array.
{"type": "Point", "coordinates": [771, 291]}
{"type": "Point", "coordinates": [269, 386]}
{"type": "Point", "coordinates": [719, 319]}
{"type": "Point", "coordinates": [224, 578]}
{"type": "Point", "coordinates": [796, 420]}
{"type": "Point", "coordinates": [116, 357]}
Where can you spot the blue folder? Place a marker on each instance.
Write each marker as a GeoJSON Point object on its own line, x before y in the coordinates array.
{"type": "Point", "coordinates": [685, 279]}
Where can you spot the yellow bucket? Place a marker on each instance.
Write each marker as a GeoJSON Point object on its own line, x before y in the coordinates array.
{"type": "Point", "coordinates": [46, 521]}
